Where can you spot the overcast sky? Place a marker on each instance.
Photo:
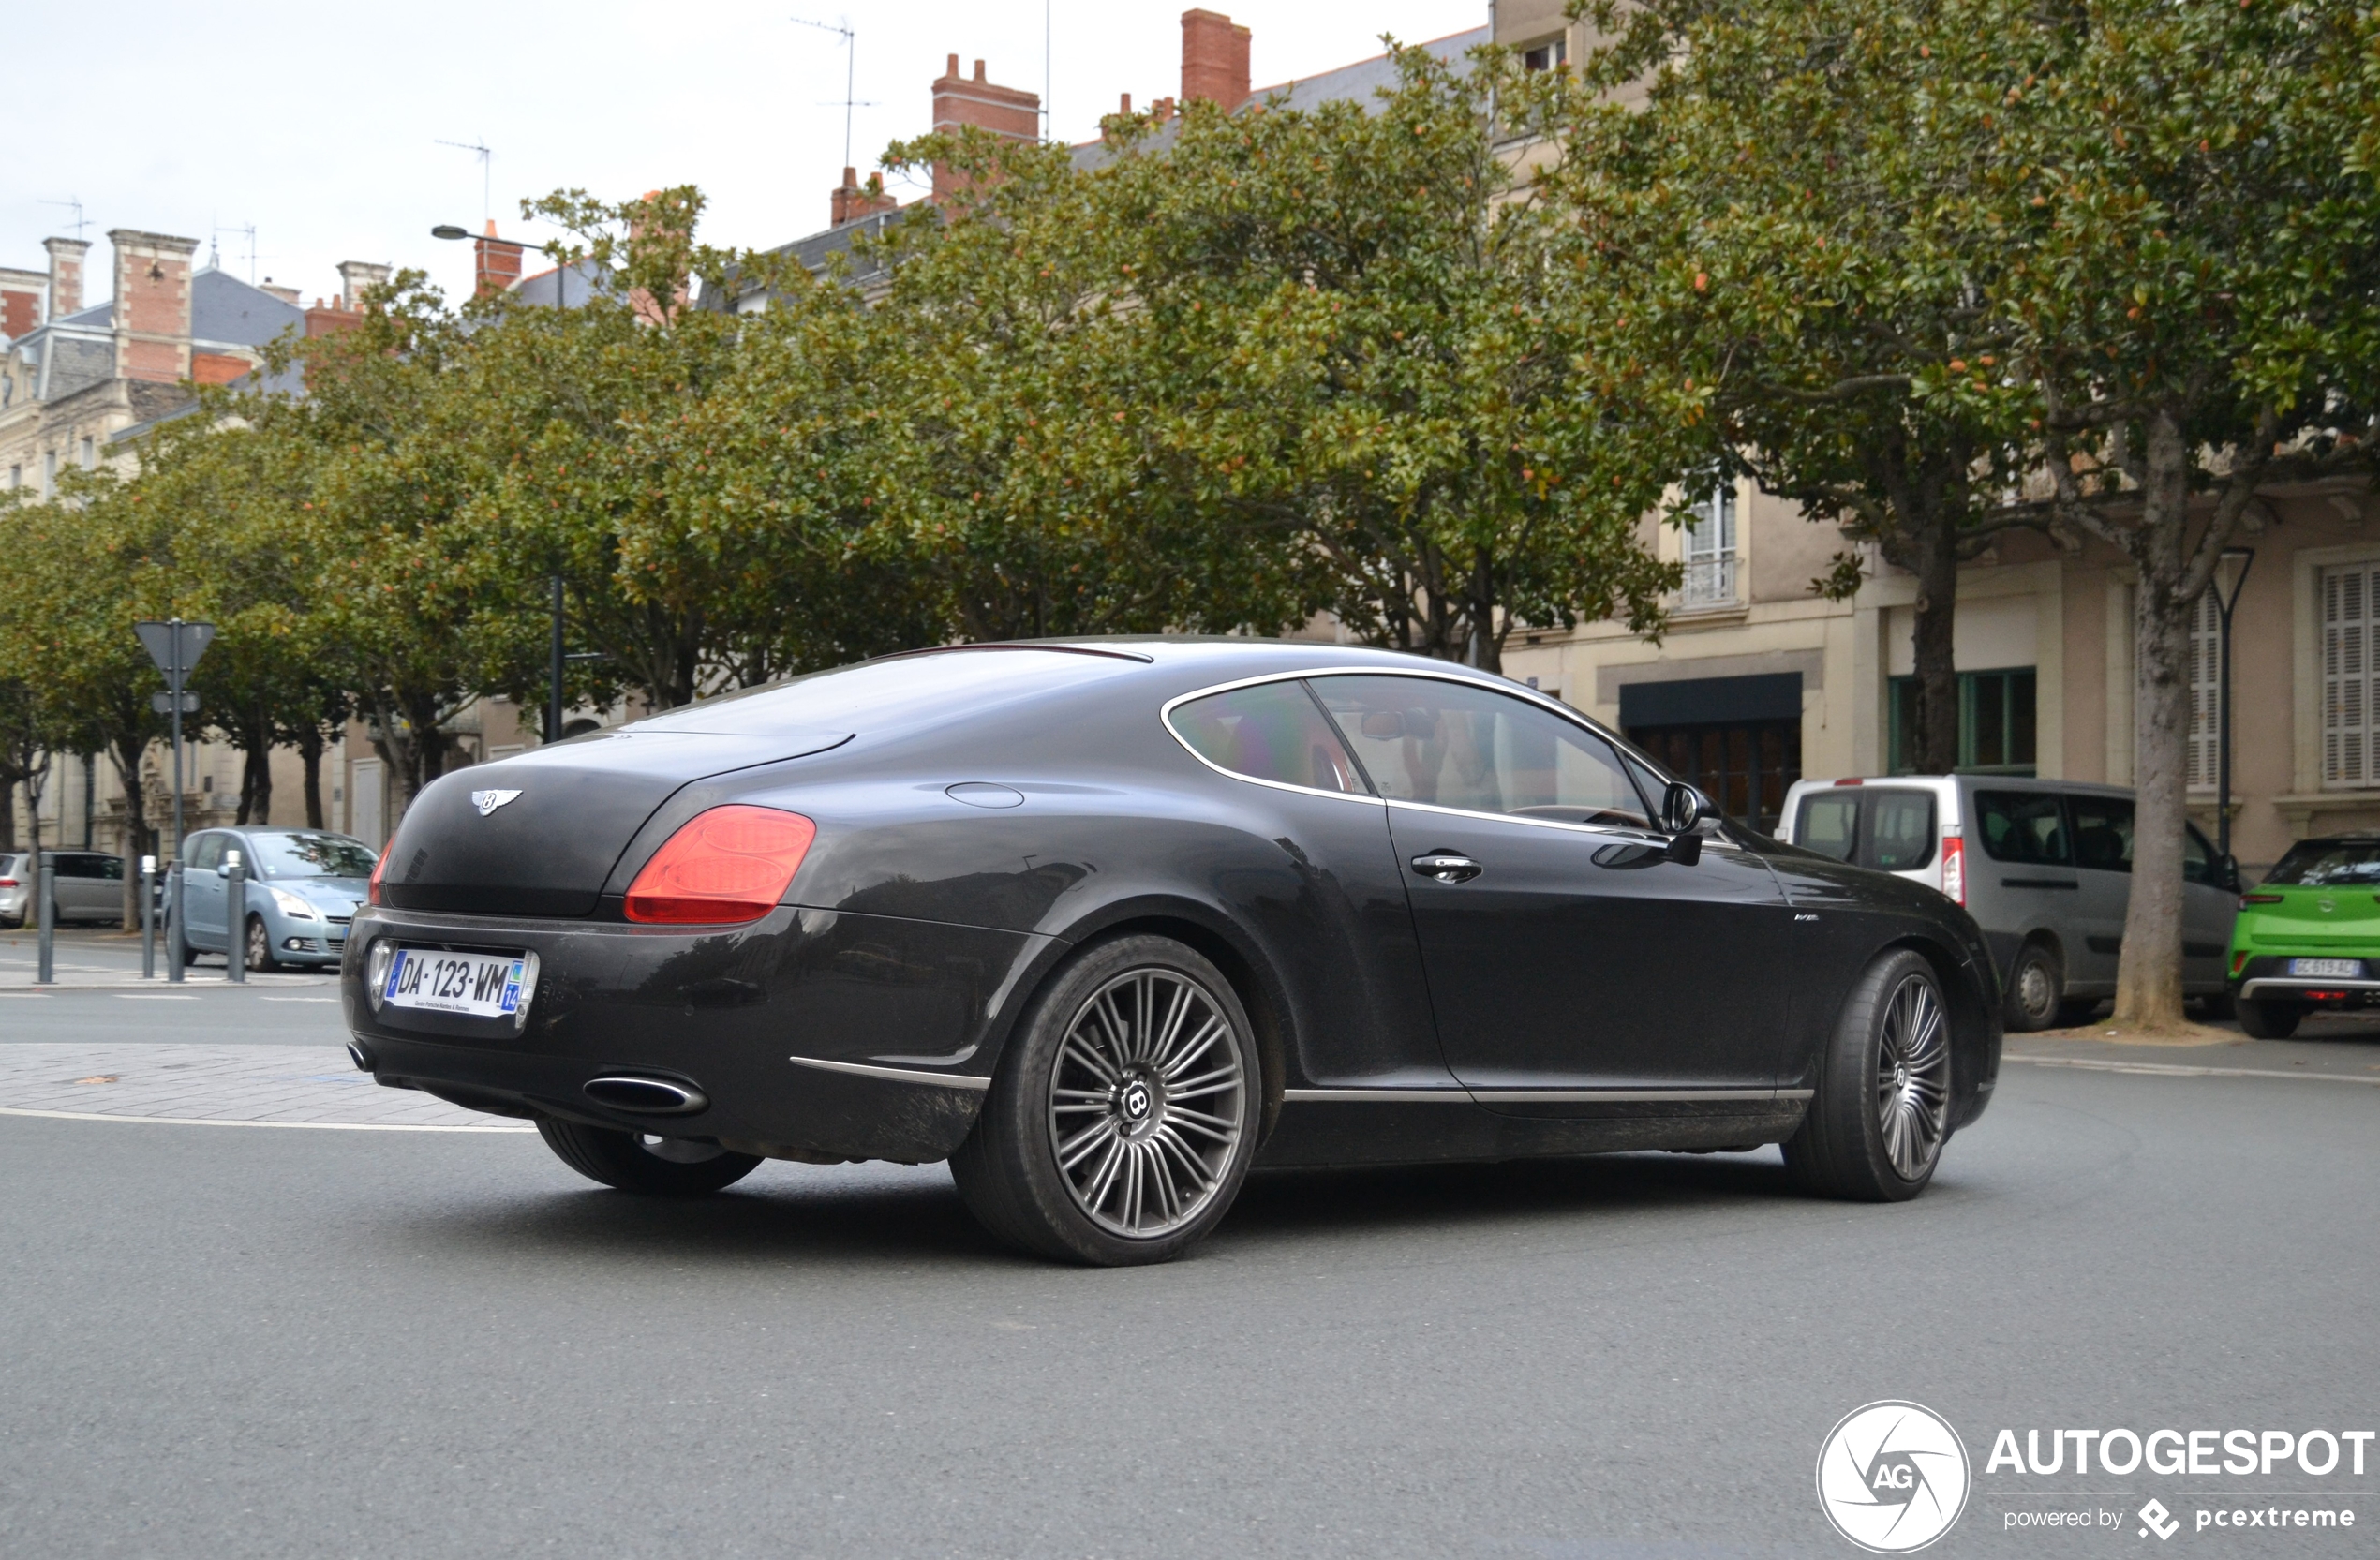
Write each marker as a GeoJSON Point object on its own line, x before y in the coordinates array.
{"type": "Point", "coordinates": [320, 125]}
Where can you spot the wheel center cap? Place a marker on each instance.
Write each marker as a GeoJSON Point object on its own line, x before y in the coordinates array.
{"type": "Point", "coordinates": [1136, 1103]}
{"type": "Point", "coordinates": [1900, 1074]}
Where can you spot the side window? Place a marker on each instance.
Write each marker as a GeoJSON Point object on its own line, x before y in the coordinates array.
{"type": "Point", "coordinates": [2026, 826]}
{"type": "Point", "coordinates": [1829, 824]}
{"type": "Point", "coordinates": [107, 867]}
{"type": "Point", "coordinates": [2198, 856]}
{"type": "Point", "coordinates": [1443, 743]}
{"type": "Point", "coordinates": [2102, 833]}
{"type": "Point", "coordinates": [206, 853]}
{"type": "Point", "coordinates": [1900, 830]}
{"type": "Point", "coordinates": [1273, 732]}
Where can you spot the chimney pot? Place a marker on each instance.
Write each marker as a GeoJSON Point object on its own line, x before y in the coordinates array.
{"type": "Point", "coordinates": [979, 70]}
{"type": "Point", "coordinates": [1126, 106]}
{"type": "Point", "coordinates": [952, 73]}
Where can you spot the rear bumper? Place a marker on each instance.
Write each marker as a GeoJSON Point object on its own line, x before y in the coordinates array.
{"type": "Point", "coordinates": [810, 1033]}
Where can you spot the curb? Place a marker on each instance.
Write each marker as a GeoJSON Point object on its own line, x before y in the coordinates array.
{"type": "Point", "coordinates": [2172, 1069]}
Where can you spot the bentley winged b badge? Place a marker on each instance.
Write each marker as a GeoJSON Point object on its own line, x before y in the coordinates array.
{"type": "Point", "coordinates": [488, 801]}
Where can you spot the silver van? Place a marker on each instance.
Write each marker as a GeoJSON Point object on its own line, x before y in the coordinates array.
{"type": "Point", "coordinates": [2044, 866]}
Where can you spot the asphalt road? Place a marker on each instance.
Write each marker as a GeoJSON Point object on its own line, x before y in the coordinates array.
{"type": "Point", "coordinates": [238, 1341]}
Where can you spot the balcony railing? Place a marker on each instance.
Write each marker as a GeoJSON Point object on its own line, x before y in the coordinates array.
{"type": "Point", "coordinates": [1709, 582]}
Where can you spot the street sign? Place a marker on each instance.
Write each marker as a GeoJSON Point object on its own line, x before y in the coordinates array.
{"type": "Point", "coordinates": [175, 645]}
{"type": "Point", "coordinates": [162, 702]}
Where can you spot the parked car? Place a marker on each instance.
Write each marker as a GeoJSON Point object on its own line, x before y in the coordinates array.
{"type": "Point", "coordinates": [2044, 866]}
{"type": "Point", "coordinates": [2309, 936]}
{"type": "Point", "coordinates": [302, 887]}
{"type": "Point", "coordinates": [16, 888]}
{"type": "Point", "coordinates": [1105, 922]}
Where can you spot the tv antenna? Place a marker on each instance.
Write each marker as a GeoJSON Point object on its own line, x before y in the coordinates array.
{"type": "Point", "coordinates": [487, 174]}
{"type": "Point", "coordinates": [841, 29]}
{"type": "Point", "coordinates": [217, 258]}
{"type": "Point", "coordinates": [79, 223]}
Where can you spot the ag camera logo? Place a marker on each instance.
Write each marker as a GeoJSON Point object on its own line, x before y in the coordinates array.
{"type": "Point", "coordinates": [1891, 1477]}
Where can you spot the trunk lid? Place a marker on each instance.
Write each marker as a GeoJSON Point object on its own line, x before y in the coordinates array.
{"type": "Point", "coordinates": [539, 833]}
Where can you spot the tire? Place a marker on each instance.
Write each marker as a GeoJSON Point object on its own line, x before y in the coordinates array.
{"type": "Point", "coordinates": [259, 948]}
{"type": "Point", "coordinates": [1092, 1149]}
{"type": "Point", "coordinates": [189, 953]}
{"type": "Point", "coordinates": [2035, 988]}
{"type": "Point", "coordinates": [624, 1161]}
{"type": "Point", "coordinates": [1880, 1113]}
{"type": "Point", "coordinates": [2263, 1019]}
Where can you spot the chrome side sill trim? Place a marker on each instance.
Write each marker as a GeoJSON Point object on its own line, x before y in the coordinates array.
{"type": "Point", "coordinates": [1376, 1096]}
{"type": "Point", "coordinates": [893, 1075]}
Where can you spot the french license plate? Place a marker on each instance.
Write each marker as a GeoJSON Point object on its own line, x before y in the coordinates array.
{"type": "Point", "coordinates": [486, 985]}
{"type": "Point", "coordinates": [2328, 968]}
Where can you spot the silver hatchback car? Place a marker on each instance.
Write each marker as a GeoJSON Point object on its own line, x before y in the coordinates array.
{"type": "Point", "coordinates": [302, 889]}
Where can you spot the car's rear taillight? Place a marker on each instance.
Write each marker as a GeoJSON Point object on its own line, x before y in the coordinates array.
{"type": "Point", "coordinates": [1954, 867]}
{"type": "Point", "coordinates": [2260, 898]}
{"type": "Point", "coordinates": [9, 883]}
{"type": "Point", "coordinates": [730, 864]}
{"type": "Point", "coordinates": [372, 891]}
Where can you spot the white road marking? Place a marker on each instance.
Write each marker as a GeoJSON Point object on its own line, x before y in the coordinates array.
{"type": "Point", "coordinates": [155, 997]}
{"type": "Point", "coordinates": [2168, 1069]}
{"type": "Point", "coordinates": [297, 998]}
{"type": "Point", "coordinates": [209, 1121]}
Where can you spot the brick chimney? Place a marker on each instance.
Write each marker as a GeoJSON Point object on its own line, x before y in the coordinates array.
{"type": "Point", "coordinates": [288, 295]}
{"type": "Point", "coordinates": [1214, 59]}
{"type": "Point", "coordinates": [1005, 111]}
{"type": "Point", "coordinates": [152, 305]}
{"type": "Point", "coordinates": [497, 263]}
{"type": "Point", "coordinates": [66, 274]}
{"type": "Point", "coordinates": [21, 293]}
{"type": "Point", "coordinates": [328, 317]}
{"type": "Point", "coordinates": [355, 276]}
{"type": "Point", "coordinates": [853, 199]}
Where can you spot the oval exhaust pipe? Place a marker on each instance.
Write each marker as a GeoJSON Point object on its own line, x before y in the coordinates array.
{"type": "Point", "coordinates": [361, 1054]}
{"type": "Point", "coordinates": [647, 1097]}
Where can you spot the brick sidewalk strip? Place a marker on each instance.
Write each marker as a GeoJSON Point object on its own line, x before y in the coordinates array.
{"type": "Point", "coordinates": [283, 1086]}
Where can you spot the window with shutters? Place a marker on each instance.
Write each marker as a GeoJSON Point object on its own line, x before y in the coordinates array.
{"type": "Point", "coordinates": [2205, 690]}
{"type": "Point", "coordinates": [1710, 551]}
{"type": "Point", "coordinates": [2347, 611]}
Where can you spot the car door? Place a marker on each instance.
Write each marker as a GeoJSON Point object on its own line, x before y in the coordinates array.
{"type": "Point", "coordinates": [203, 893]}
{"type": "Point", "coordinates": [2207, 909]}
{"type": "Point", "coordinates": [2025, 882]}
{"type": "Point", "coordinates": [2102, 862]}
{"type": "Point", "coordinates": [69, 894]}
{"type": "Point", "coordinates": [1573, 968]}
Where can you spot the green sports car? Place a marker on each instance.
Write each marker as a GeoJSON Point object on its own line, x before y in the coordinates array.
{"type": "Point", "coordinates": [2308, 937]}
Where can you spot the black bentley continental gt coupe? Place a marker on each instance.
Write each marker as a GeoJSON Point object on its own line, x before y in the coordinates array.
{"type": "Point", "coordinates": [1106, 922]}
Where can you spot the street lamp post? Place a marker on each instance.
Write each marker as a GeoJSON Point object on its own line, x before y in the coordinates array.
{"type": "Point", "coordinates": [561, 297]}
{"type": "Point", "coordinates": [2231, 574]}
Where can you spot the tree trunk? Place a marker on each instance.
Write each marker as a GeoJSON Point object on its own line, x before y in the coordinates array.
{"type": "Point", "coordinates": [255, 775]}
{"type": "Point", "coordinates": [310, 750]}
{"type": "Point", "coordinates": [140, 838]}
{"type": "Point", "coordinates": [1933, 737]}
{"type": "Point", "coordinates": [2149, 976]}
{"type": "Point", "coordinates": [9, 815]}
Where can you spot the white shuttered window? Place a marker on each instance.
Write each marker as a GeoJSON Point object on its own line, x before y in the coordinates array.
{"type": "Point", "coordinates": [2206, 689]}
{"type": "Point", "coordinates": [2348, 609]}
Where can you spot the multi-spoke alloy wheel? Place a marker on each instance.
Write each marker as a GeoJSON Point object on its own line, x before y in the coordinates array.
{"type": "Point", "coordinates": [1879, 1110]}
{"type": "Point", "coordinates": [1913, 1077]}
{"type": "Point", "coordinates": [1147, 1103]}
{"type": "Point", "coordinates": [1124, 1110]}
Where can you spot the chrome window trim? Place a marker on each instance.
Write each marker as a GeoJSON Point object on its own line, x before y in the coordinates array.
{"type": "Point", "coordinates": [893, 1075]}
{"type": "Point", "coordinates": [1503, 686]}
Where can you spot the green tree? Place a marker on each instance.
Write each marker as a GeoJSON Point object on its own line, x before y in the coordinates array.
{"type": "Point", "coordinates": [1782, 198]}
{"type": "Point", "coordinates": [2184, 196]}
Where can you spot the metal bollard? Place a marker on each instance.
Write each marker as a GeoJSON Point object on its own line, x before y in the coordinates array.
{"type": "Point", "coordinates": [235, 920]}
{"type": "Point", "coordinates": [45, 898]}
{"type": "Point", "coordinates": [176, 942]}
{"type": "Point", "coordinates": [148, 917]}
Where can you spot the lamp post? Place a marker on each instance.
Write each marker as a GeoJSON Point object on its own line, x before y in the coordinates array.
{"type": "Point", "coordinates": [2231, 574]}
{"type": "Point", "coordinates": [561, 298]}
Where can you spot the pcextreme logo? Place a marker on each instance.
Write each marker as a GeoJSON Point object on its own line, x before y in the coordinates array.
{"type": "Point", "coordinates": [1891, 1477]}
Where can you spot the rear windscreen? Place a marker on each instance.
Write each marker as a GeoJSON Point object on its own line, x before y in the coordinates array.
{"type": "Point", "coordinates": [1890, 830]}
{"type": "Point", "coordinates": [2326, 863]}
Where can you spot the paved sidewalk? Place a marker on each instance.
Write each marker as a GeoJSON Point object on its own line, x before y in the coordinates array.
{"type": "Point", "coordinates": [278, 1086]}
{"type": "Point", "coordinates": [2351, 1057]}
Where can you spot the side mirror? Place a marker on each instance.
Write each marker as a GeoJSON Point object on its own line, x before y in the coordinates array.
{"type": "Point", "coordinates": [1683, 807]}
{"type": "Point", "coordinates": [223, 868]}
{"type": "Point", "coordinates": [2227, 873]}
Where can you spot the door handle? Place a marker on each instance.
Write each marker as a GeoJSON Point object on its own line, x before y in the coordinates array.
{"type": "Point", "coordinates": [1446, 867]}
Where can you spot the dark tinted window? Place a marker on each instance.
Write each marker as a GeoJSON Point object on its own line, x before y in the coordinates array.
{"type": "Point", "coordinates": [2022, 826]}
{"type": "Point", "coordinates": [1274, 730]}
{"type": "Point", "coordinates": [1829, 824]}
{"type": "Point", "coordinates": [2102, 832]}
{"type": "Point", "coordinates": [82, 864]}
{"type": "Point", "coordinates": [311, 855]}
{"type": "Point", "coordinates": [1900, 830]}
{"type": "Point", "coordinates": [1451, 745]}
{"type": "Point", "coordinates": [2329, 863]}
